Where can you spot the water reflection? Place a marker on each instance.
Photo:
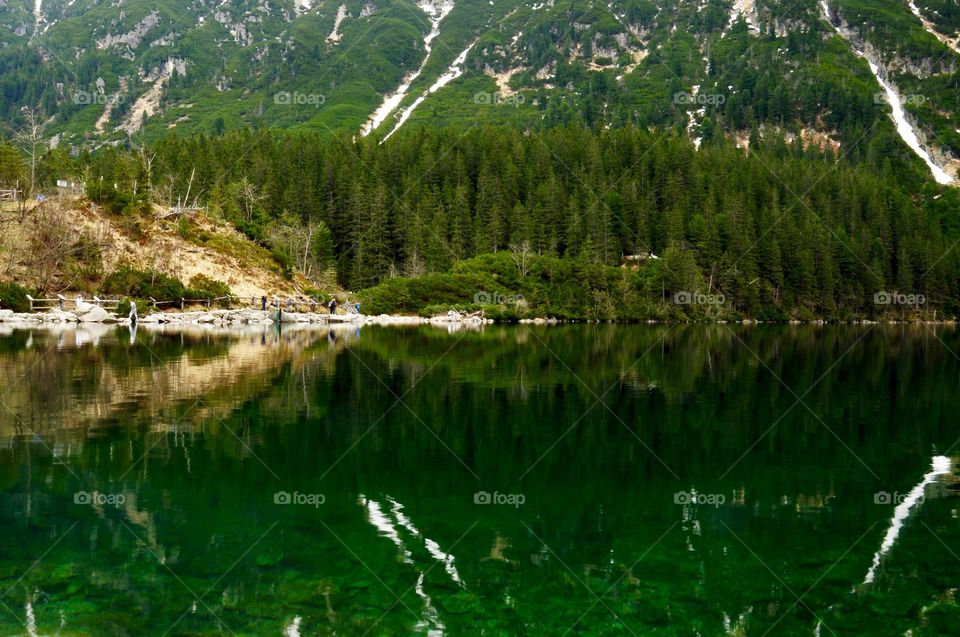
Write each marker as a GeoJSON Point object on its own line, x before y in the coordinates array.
{"type": "Point", "coordinates": [695, 496]}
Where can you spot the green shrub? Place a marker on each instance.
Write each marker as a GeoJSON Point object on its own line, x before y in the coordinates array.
{"type": "Point", "coordinates": [144, 284]}
{"type": "Point", "coordinates": [203, 287]}
{"type": "Point", "coordinates": [184, 228]}
{"type": "Point", "coordinates": [14, 297]}
{"type": "Point", "coordinates": [317, 295]}
{"type": "Point", "coordinates": [285, 262]}
{"type": "Point", "coordinates": [551, 287]}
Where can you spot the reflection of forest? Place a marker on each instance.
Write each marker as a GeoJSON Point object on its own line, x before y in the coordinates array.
{"type": "Point", "coordinates": [701, 395]}
{"type": "Point", "coordinates": [306, 415]}
{"type": "Point", "coordinates": [92, 376]}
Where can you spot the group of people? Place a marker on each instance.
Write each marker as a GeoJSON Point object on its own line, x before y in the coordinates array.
{"type": "Point", "coordinates": [331, 306]}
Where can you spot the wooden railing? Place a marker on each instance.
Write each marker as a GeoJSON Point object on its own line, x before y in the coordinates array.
{"type": "Point", "coordinates": [287, 304]}
{"type": "Point", "coordinates": [61, 303]}
{"type": "Point", "coordinates": [254, 302]}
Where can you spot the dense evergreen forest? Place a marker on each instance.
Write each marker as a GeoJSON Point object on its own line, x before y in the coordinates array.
{"type": "Point", "coordinates": [610, 224]}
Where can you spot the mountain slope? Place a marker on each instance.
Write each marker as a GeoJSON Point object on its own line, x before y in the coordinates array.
{"type": "Point", "coordinates": [106, 72]}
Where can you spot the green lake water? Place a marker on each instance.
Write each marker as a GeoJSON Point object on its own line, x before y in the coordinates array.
{"type": "Point", "coordinates": [572, 480]}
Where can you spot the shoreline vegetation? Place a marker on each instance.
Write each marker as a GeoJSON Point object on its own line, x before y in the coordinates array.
{"type": "Point", "coordinates": [566, 224]}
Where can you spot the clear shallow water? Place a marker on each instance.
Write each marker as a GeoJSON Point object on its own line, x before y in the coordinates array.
{"type": "Point", "coordinates": [144, 481]}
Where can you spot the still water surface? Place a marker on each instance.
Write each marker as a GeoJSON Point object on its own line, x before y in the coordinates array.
{"type": "Point", "coordinates": [582, 480]}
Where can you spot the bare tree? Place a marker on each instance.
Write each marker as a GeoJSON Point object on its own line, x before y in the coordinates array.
{"type": "Point", "coordinates": [521, 253]}
{"type": "Point", "coordinates": [30, 137]}
{"type": "Point", "coordinates": [249, 198]}
{"type": "Point", "coordinates": [415, 266]}
{"type": "Point", "coordinates": [297, 240]}
{"type": "Point", "coordinates": [56, 247]}
{"type": "Point", "coordinates": [147, 159]}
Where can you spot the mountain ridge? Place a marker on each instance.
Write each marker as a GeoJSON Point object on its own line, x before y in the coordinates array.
{"type": "Point", "coordinates": [134, 70]}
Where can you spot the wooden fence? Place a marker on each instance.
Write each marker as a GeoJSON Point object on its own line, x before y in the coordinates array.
{"type": "Point", "coordinates": [61, 302]}
{"type": "Point", "coordinates": [288, 304]}
{"type": "Point", "coordinates": [254, 302]}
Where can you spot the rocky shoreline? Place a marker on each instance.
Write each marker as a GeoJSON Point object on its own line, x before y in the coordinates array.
{"type": "Point", "coordinates": [228, 318]}
{"type": "Point", "coordinates": [241, 317]}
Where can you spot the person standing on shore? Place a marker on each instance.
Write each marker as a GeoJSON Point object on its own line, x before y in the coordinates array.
{"type": "Point", "coordinates": [333, 306]}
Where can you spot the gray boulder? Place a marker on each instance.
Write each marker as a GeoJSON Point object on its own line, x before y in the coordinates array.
{"type": "Point", "coordinates": [96, 314]}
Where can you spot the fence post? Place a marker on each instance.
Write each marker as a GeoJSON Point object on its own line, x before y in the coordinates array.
{"type": "Point", "coordinates": [182, 301]}
{"type": "Point", "coordinates": [60, 301]}
{"type": "Point", "coordinates": [154, 301]}
{"type": "Point", "coordinates": [30, 298]}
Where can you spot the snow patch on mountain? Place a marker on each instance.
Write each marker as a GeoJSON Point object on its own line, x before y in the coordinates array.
{"type": "Point", "coordinates": [437, 10]}
{"type": "Point", "coordinates": [37, 14]}
{"type": "Point", "coordinates": [337, 21]}
{"type": "Point", "coordinates": [453, 72]}
{"type": "Point", "coordinates": [952, 43]}
{"type": "Point", "coordinates": [904, 127]}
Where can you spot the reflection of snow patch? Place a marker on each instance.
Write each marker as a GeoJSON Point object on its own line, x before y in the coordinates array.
{"type": "Point", "coordinates": [430, 621]}
{"type": "Point", "coordinates": [385, 525]}
{"type": "Point", "coordinates": [941, 465]}
{"type": "Point", "coordinates": [434, 549]}
{"type": "Point", "coordinates": [293, 628]}
{"type": "Point", "coordinates": [31, 623]}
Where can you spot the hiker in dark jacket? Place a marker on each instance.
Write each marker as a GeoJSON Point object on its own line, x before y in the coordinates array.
{"type": "Point", "coordinates": [333, 306]}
